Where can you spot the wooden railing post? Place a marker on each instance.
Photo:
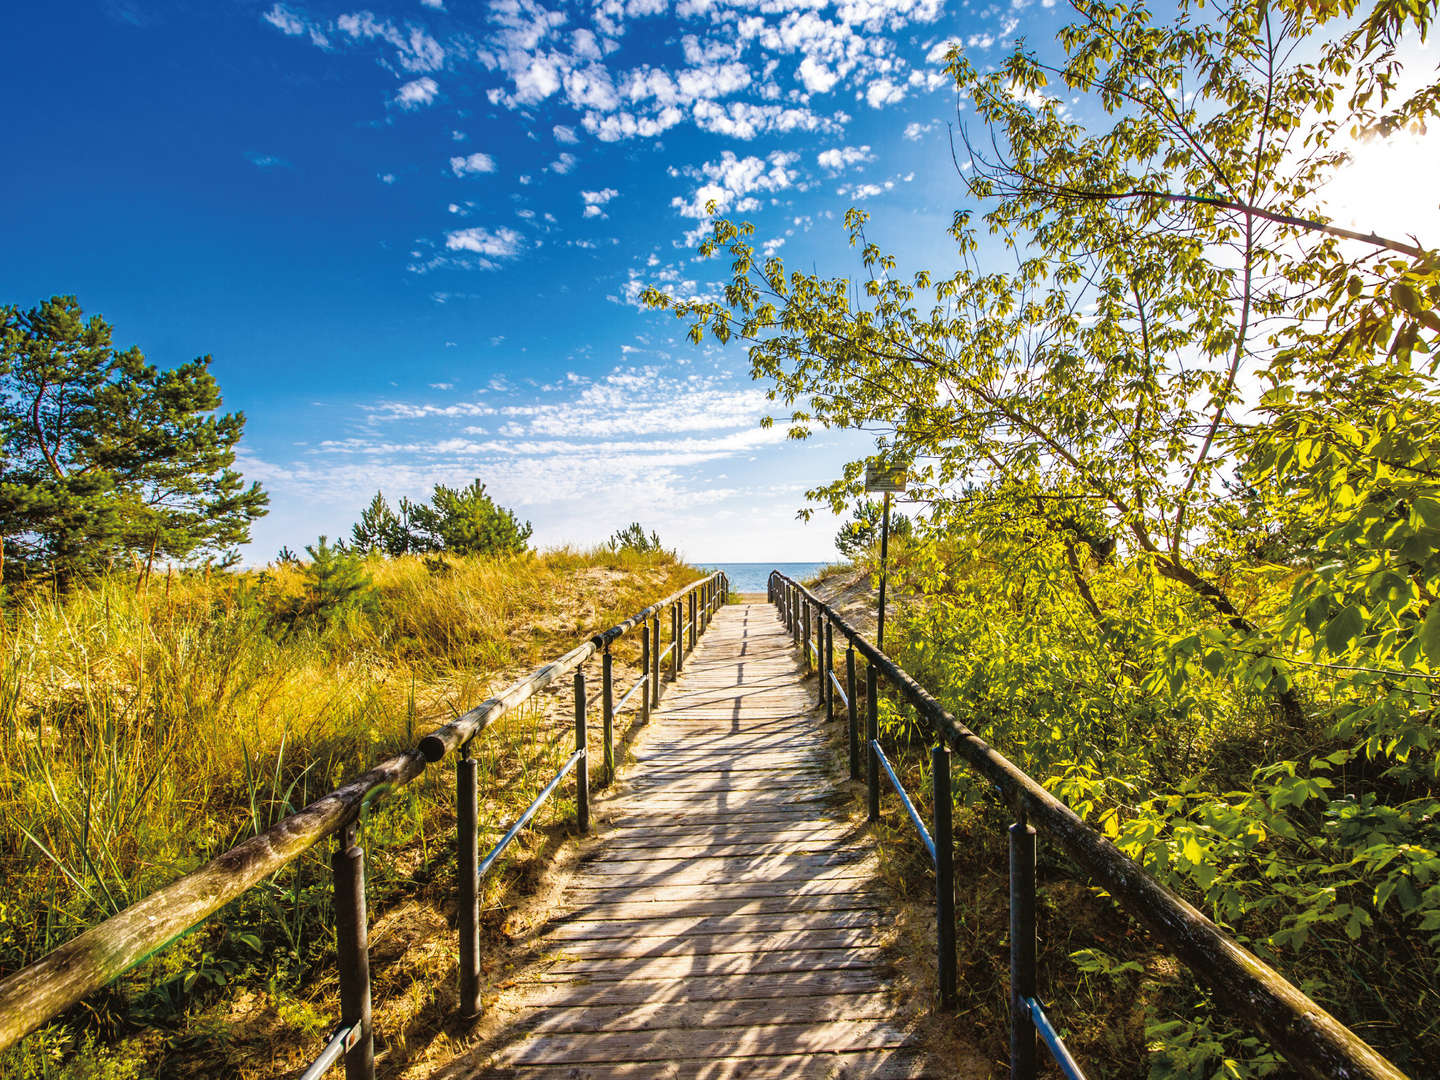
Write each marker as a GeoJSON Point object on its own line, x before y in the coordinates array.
{"type": "Point", "coordinates": [655, 662]}
{"type": "Point", "coordinates": [467, 816]}
{"type": "Point", "coordinates": [852, 704]}
{"type": "Point", "coordinates": [694, 618]}
{"type": "Point", "coordinates": [645, 672]}
{"type": "Point", "coordinates": [1022, 948]}
{"type": "Point", "coordinates": [352, 937]}
{"type": "Point", "coordinates": [872, 733]}
{"type": "Point", "coordinates": [607, 712]}
{"type": "Point", "coordinates": [582, 767]}
{"type": "Point", "coordinates": [944, 874]}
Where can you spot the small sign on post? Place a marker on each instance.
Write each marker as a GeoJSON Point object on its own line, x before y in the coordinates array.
{"type": "Point", "coordinates": [887, 479]}
{"type": "Point", "coordinates": [883, 478]}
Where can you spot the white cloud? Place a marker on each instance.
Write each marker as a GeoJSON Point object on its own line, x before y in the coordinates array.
{"type": "Point", "coordinates": [915, 130]}
{"type": "Point", "coordinates": [818, 78]}
{"type": "Point", "coordinates": [503, 243]}
{"type": "Point", "coordinates": [266, 161]}
{"type": "Point", "coordinates": [437, 5]}
{"type": "Point", "coordinates": [883, 92]}
{"type": "Point", "coordinates": [840, 157]}
{"type": "Point", "coordinates": [595, 201]}
{"type": "Point", "coordinates": [563, 164]}
{"type": "Point", "coordinates": [417, 92]}
{"type": "Point", "coordinates": [564, 134]}
{"type": "Point", "coordinates": [472, 163]}
{"type": "Point", "coordinates": [385, 178]}
{"type": "Point", "coordinates": [731, 182]}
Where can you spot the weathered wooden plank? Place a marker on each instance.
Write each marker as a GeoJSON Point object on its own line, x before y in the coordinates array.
{"type": "Point", "coordinates": [866, 957]}
{"type": "Point", "coordinates": [897, 1064]}
{"type": "Point", "coordinates": [560, 992]}
{"type": "Point", "coordinates": [717, 944]}
{"type": "Point", "coordinates": [617, 905]}
{"type": "Point", "coordinates": [701, 1043]}
{"type": "Point", "coordinates": [690, 1013]}
{"type": "Point", "coordinates": [638, 926]}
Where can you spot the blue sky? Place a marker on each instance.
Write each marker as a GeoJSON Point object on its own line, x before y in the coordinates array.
{"type": "Point", "coordinates": [412, 236]}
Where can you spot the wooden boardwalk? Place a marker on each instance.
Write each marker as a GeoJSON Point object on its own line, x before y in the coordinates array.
{"type": "Point", "coordinates": [725, 925]}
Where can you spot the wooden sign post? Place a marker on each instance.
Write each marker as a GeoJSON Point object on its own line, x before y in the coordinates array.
{"type": "Point", "coordinates": [882, 478]}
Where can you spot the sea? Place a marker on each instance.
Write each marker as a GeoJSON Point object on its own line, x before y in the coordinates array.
{"type": "Point", "coordinates": [753, 577]}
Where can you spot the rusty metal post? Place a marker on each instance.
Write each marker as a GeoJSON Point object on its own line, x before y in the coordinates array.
{"type": "Point", "coordinates": [607, 712]}
{"type": "Point", "coordinates": [872, 733]}
{"type": "Point", "coordinates": [1022, 948]}
{"type": "Point", "coordinates": [582, 767]}
{"type": "Point", "coordinates": [852, 706]}
{"type": "Point", "coordinates": [829, 670]}
{"type": "Point", "coordinates": [675, 643]}
{"type": "Point", "coordinates": [467, 817]}
{"type": "Point", "coordinates": [352, 937]}
{"type": "Point", "coordinates": [645, 672]}
{"type": "Point", "coordinates": [944, 874]}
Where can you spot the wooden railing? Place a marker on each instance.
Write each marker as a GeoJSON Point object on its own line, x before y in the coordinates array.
{"type": "Point", "coordinates": [83, 965]}
{"type": "Point", "coordinates": [1305, 1034]}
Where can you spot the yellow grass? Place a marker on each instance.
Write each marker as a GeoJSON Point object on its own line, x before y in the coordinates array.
{"type": "Point", "coordinates": [145, 729]}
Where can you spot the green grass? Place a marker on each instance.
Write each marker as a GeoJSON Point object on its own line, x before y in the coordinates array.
{"type": "Point", "coordinates": [143, 730]}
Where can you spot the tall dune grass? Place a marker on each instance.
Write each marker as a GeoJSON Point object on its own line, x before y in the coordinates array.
{"type": "Point", "coordinates": [144, 729]}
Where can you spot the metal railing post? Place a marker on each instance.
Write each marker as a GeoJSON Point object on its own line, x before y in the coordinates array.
{"type": "Point", "coordinates": [829, 670]}
{"type": "Point", "coordinates": [944, 874]}
{"type": "Point", "coordinates": [582, 767]}
{"type": "Point", "coordinates": [645, 672]}
{"type": "Point", "coordinates": [467, 816]}
{"type": "Point", "coordinates": [675, 644]}
{"type": "Point", "coordinates": [607, 711]}
{"type": "Point", "coordinates": [805, 634]}
{"type": "Point", "coordinates": [1022, 948]}
{"type": "Point", "coordinates": [852, 706]}
{"type": "Point", "coordinates": [872, 733]}
{"type": "Point", "coordinates": [352, 937]}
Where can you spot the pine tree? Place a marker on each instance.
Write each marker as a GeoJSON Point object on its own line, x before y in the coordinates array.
{"type": "Point", "coordinates": [106, 456]}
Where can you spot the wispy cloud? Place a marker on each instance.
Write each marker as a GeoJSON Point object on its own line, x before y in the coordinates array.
{"type": "Point", "coordinates": [266, 161]}
{"type": "Point", "coordinates": [417, 92]}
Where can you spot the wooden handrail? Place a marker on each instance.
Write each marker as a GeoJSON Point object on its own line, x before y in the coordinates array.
{"type": "Point", "coordinates": [1309, 1037]}
{"type": "Point", "coordinates": [86, 963]}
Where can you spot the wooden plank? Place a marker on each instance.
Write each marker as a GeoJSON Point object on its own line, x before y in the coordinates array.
{"type": "Point", "coordinates": [896, 1064]}
{"type": "Point", "coordinates": [578, 990]}
{"type": "Point", "coordinates": [617, 905]}
{"type": "Point", "coordinates": [701, 1043]}
{"type": "Point", "coordinates": [663, 1015]}
{"type": "Point", "coordinates": [723, 964]}
{"type": "Point", "coordinates": [750, 945]}
{"type": "Point", "coordinates": [638, 926]}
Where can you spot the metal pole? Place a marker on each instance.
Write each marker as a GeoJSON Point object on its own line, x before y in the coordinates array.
{"type": "Point", "coordinates": [1022, 949]}
{"type": "Point", "coordinates": [805, 634]}
{"type": "Point", "coordinates": [352, 939]}
{"type": "Point", "coordinates": [829, 670]}
{"type": "Point", "coordinates": [467, 815]}
{"type": "Point", "coordinates": [872, 733]}
{"type": "Point", "coordinates": [582, 767]}
{"type": "Point", "coordinates": [675, 644]}
{"type": "Point", "coordinates": [852, 705]}
{"type": "Point", "coordinates": [607, 711]}
{"type": "Point", "coordinates": [645, 672]}
{"type": "Point", "coordinates": [944, 874]}
{"type": "Point", "coordinates": [884, 572]}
